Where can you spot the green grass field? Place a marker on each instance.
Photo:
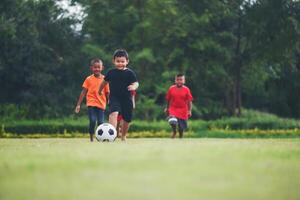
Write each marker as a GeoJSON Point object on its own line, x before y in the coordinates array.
{"type": "Point", "coordinates": [150, 169]}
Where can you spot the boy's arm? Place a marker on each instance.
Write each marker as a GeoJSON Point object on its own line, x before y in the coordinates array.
{"type": "Point", "coordinates": [167, 108]}
{"type": "Point", "coordinates": [107, 96]}
{"type": "Point", "coordinates": [168, 99]}
{"type": "Point", "coordinates": [133, 86]}
{"type": "Point", "coordinates": [106, 92]}
{"type": "Point", "coordinates": [82, 95]}
{"type": "Point", "coordinates": [190, 105]}
{"type": "Point", "coordinates": [133, 101]}
{"type": "Point", "coordinates": [103, 84]}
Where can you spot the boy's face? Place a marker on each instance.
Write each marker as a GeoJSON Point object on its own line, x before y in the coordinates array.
{"type": "Point", "coordinates": [179, 81]}
{"type": "Point", "coordinates": [120, 62]}
{"type": "Point", "coordinates": [97, 68]}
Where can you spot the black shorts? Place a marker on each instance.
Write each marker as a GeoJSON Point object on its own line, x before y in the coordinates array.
{"type": "Point", "coordinates": [123, 106]}
{"type": "Point", "coordinates": [182, 124]}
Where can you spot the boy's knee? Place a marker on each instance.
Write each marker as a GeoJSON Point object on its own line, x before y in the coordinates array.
{"type": "Point", "coordinates": [114, 114]}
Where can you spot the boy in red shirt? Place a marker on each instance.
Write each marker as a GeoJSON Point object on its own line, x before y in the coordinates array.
{"type": "Point", "coordinates": [96, 103]}
{"type": "Point", "coordinates": [179, 105]}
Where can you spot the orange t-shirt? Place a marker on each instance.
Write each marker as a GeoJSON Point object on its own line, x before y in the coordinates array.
{"type": "Point", "coordinates": [92, 84]}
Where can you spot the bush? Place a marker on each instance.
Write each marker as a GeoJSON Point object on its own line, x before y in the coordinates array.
{"type": "Point", "coordinates": [254, 120]}
{"type": "Point", "coordinates": [45, 126]}
{"type": "Point", "coordinates": [249, 120]}
{"type": "Point", "coordinates": [81, 125]}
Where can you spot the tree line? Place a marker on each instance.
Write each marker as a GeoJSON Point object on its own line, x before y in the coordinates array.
{"type": "Point", "coordinates": [235, 53]}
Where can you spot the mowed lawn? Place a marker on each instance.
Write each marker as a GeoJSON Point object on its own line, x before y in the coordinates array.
{"type": "Point", "coordinates": [150, 169]}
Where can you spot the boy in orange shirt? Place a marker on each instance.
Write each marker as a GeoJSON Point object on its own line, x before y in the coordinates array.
{"type": "Point", "coordinates": [96, 103]}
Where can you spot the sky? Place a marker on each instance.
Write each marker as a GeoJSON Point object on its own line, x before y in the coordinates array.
{"type": "Point", "coordinates": [76, 11]}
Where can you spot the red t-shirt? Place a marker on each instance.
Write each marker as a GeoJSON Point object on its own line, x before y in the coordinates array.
{"type": "Point", "coordinates": [178, 99]}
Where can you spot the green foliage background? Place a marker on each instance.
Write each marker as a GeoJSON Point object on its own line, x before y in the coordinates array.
{"type": "Point", "coordinates": [234, 54]}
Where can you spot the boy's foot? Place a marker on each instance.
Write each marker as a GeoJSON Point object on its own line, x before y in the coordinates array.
{"type": "Point", "coordinates": [123, 138]}
{"type": "Point", "coordinates": [180, 134]}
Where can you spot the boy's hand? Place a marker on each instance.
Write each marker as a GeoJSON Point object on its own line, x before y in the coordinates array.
{"type": "Point", "coordinates": [77, 109]}
{"type": "Point", "coordinates": [166, 110]}
{"type": "Point", "coordinates": [190, 113]}
{"type": "Point", "coordinates": [131, 87]}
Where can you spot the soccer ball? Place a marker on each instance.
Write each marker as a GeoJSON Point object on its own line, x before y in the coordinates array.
{"type": "Point", "coordinates": [106, 133]}
{"type": "Point", "coordinates": [172, 120]}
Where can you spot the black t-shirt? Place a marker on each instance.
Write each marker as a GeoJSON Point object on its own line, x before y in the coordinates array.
{"type": "Point", "coordinates": [119, 80]}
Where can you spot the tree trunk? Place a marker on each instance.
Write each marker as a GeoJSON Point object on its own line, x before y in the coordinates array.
{"type": "Point", "coordinates": [237, 67]}
{"type": "Point", "coordinates": [233, 108]}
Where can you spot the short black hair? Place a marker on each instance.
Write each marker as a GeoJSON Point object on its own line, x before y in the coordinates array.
{"type": "Point", "coordinates": [179, 75]}
{"type": "Point", "coordinates": [121, 53]}
{"type": "Point", "coordinates": [95, 60]}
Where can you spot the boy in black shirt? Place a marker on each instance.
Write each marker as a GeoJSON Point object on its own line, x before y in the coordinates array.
{"type": "Point", "coordinates": [122, 81]}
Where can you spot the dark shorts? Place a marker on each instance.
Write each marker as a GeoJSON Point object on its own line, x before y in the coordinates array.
{"type": "Point", "coordinates": [182, 124]}
{"type": "Point", "coordinates": [123, 106]}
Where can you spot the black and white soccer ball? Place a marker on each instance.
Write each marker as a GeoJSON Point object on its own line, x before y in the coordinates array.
{"type": "Point", "coordinates": [172, 120]}
{"type": "Point", "coordinates": [106, 133]}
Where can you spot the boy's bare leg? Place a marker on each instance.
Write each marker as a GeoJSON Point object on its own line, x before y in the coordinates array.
{"type": "Point", "coordinates": [180, 133]}
{"type": "Point", "coordinates": [119, 128]}
{"type": "Point", "coordinates": [113, 119]}
{"type": "Point", "coordinates": [124, 128]}
{"type": "Point", "coordinates": [91, 137]}
{"type": "Point", "coordinates": [174, 130]}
